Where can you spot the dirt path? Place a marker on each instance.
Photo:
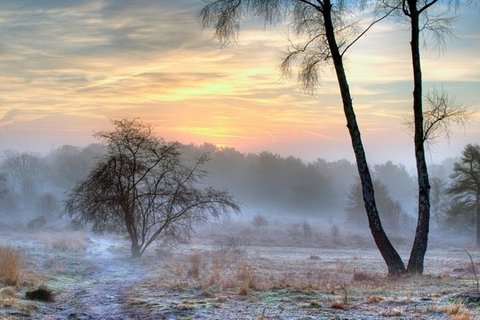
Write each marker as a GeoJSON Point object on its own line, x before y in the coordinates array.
{"type": "Point", "coordinates": [92, 285]}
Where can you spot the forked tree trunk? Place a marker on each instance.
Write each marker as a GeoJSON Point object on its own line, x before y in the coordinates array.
{"type": "Point", "coordinates": [417, 255]}
{"type": "Point", "coordinates": [135, 248]}
{"type": "Point", "coordinates": [392, 258]}
{"type": "Point", "coordinates": [132, 232]}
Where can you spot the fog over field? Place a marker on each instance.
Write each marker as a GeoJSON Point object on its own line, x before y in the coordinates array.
{"type": "Point", "coordinates": [239, 159]}
{"type": "Point", "coordinates": [299, 248]}
{"type": "Point", "coordinates": [34, 186]}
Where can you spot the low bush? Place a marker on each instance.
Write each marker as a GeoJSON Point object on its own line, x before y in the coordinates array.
{"type": "Point", "coordinates": [40, 294]}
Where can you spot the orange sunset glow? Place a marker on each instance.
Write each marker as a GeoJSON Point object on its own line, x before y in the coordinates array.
{"type": "Point", "coordinates": [68, 67]}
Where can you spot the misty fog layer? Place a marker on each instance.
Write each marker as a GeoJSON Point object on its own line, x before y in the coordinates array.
{"type": "Point", "coordinates": [33, 187]}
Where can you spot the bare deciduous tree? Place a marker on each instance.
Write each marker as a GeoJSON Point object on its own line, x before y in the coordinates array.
{"type": "Point", "coordinates": [307, 230]}
{"type": "Point", "coordinates": [144, 188]}
{"type": "Point", "coordinates": [259, 222]}
{"type": "Point", "coordinates": [24, 172]}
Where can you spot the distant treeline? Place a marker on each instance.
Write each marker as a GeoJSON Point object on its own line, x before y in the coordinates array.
{"type": "Point", "coordinates": [33, 185]}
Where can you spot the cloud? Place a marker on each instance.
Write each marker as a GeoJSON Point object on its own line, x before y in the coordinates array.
{"type": "Point", "coordinates": [7, 116]}
{"type": "Point", "coordinates": [80, 60]}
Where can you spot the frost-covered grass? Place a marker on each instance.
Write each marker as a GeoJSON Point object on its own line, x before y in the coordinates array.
{"type": "Point", "coordinates": [230, 278]}
{"type": "Point", "coordinates": [256, 285]}
{"type": "Point", "coordinates": [64, 241]}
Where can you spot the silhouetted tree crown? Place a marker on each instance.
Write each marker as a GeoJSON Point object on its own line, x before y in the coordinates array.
{"type": "Point", "coordinates": [144, 188]}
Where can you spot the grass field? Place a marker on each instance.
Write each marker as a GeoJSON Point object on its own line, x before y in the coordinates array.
{"type": "Point", "coordinates": [226, 277]}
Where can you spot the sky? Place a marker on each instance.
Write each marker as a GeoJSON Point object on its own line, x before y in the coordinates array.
{"type": "Point", "coordinates": [69, 67]}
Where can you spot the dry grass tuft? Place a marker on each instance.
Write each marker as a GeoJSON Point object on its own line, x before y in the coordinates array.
{"type": "Point", "coordinates": [463, 315]}
{"type": "Point", "coordinates": [75, 241]}
{"type": "Point", "coordinates": [195, 265]}
{"type": "Point", "coordinates": [450, 309]}
{"type": "Point", "coordinates": [246, 275]}
{"type": "Point", "coordinates": [8, 297]}
{"type": "Point", "coordinates": [455, 311]}
{"type": "Point", "coordinates": [178, 270]}
{"type": "Point", "coordinates": [395, 312]}
{"type": "Point", "coordinates": [10, 266]}
{"type": "Point", "coordinates": [215, 276]}
{"type": "Point", "coordinates": [243, 290]}
{"type": "Point", "coordinates": [339, 305]}
{"type": "Point", "coordinates": [363, 276]}
{"type": "Point", "coordinates": [8, 292]}
{"type": "Point", "coordinates": [374, 299]}
{"type": "Point", "coordinates": [185, 305]}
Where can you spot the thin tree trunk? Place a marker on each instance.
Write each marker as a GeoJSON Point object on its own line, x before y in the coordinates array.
{"type": "Point", "coordinates": [392, 258]}
{"type": "Point", "coordinates": [477, 205]}
{"type": "Point", "coordinates": [417, 255]}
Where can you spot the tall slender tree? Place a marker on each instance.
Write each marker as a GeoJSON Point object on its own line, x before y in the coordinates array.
{"type": "Point", "coordinates": [421, 17]}
{"type": "Point", "coordinates": [328, 37]}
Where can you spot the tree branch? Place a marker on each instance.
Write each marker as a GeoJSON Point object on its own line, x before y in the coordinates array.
{"type": "Point", "coordinates": [368, 28]}
{"type": "Point", "coordinates": [317, 7]}
{"type": "Point", "coordinates": [426, 6]}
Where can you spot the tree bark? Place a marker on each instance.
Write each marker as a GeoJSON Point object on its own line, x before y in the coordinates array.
{"type": "Point", "coordinates": [419, 248]}
{"type": "Point", "coordinates": [135, 249]}
{"type": "Point", "coordinates": [477, 216]}
{"type": "Point", "coordinates": [392, 258]}
{"type": "Point", "coordinates": [132, 232]}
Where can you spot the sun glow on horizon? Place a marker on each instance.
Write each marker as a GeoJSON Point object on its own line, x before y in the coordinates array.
{"type": "Point", "coordinates": [113, 62]}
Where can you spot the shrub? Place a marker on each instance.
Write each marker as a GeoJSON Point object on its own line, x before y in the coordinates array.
{"type": "Point", "coordinates": [231, 245]}
{"type": "Point", "coordinates": [37, 223]}
{"type": "Point", "coordinates": [10, 266]}
{"type": "Point", "coordinates": [41, 294]}
{"type": "Point", "coordinates": [259, 222]}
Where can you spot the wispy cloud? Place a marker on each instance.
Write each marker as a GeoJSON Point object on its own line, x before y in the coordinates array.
{"type": "Point", "coordinates": [100, 60]}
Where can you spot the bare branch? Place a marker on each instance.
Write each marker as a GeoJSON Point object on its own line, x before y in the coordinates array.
{"type": "Point", "coordinates": [318, 7]}
{"type": "Point", "coordinates": [368, 28]}
{"type": "Point", "coordinates": [442, 112]}
{"type": "Point", "coordinates": [426, 6]}
{"type": "Point", "coordinates": [143, 187]}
